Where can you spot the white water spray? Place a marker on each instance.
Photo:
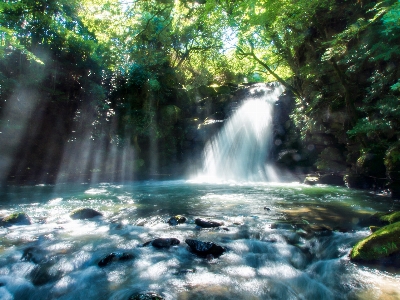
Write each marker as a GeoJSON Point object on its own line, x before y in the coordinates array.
{"type": "Point", "coordinates": [240, 150]}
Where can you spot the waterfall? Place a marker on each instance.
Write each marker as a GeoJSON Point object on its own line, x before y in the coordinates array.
{"type": "Point", "coordinates": [240, 150]}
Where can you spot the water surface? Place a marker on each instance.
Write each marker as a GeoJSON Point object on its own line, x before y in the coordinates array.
{"type": "Point", "coordinates": [284, 241]}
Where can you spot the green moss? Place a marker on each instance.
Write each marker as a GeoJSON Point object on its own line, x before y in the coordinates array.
{"type": "Point", "coordinates": [18, 218]}
{"type": "Point", "coordinates": [13, 217]}
{"type": "Point", "coordinates": [380, 244]}
{"type": "Point", "coordinates": [391, 218]}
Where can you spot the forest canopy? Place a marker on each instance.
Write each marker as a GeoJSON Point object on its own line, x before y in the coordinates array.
{"type": "Point", "coordinates": [131, 65]}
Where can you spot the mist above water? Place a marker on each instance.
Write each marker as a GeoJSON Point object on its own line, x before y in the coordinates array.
{"type": "Point", "coordinates": [240, 151]}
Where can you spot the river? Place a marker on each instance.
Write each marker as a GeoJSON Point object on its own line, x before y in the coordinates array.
{"type": "Point", "coordinates": [282, 241]}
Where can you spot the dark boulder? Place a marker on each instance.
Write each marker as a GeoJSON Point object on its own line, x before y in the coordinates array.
{"type": "Point", "coordinates": [329, 179]}
{"type": "Point", "coordinates": [18, 218]}
{"type": "Point", "coordinates": [371, 164]}
{"type": "Point", "coordinates": [114, 257]}
{"type": "Point", "coordinates": [205, 249]}
{"type": "Point", "coordinates": [332, 179]}
{"type": "Point", "coordinates": [34, 254]}
{"type": "Point", "coordinates": [84, 213]}
{"type": "Point", "coordinates": [207, 223]}
{"type": "Point", "coordinates": [146, 296]}
{"type": "Point", "coordinates": [165, 242]}
{"type": "Point", "coordinates": [178, 219]}
{"type": "Point", "coordinates": [44, 273]}
{"type": "Point", "coordinates": [355, 181]}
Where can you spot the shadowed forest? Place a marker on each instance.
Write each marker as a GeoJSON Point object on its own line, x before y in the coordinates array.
{"type": "Point", "coordinates": [124, 90]}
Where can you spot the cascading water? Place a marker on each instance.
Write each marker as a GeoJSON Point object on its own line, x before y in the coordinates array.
{"type": "Point", "coordinates": [240, 150]}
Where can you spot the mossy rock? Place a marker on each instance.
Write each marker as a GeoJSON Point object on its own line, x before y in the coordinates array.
{"type": "Point", "coordinates": [379, 245]}
{"type": "Point", "coordinates": [84, 213]}
{"type": "Point", "coordinates": [18, 218]}
{"type": "Point", "coordinates": [380, 219]}
{"type": "Point", "coordinates": [374, 228]}
{"type": "Point", "coordinates": [391, 217]}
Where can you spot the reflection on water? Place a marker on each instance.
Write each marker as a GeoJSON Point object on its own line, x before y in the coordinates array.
{"type": "Point", "coordinates": [284, 241]}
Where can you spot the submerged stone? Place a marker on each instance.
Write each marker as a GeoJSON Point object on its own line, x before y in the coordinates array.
{"type": "Point", "coordinates": [185, 272]}
{"type": "Point", "coordinates": [45, 273]}
{"type": "Point", "coordinates": [165, 242]}
{"type": "Point", "coordinates": [381, 244]}
{"type": "Point", "coordinates": [84, 213]}
{"type": "Point", "coordinates": [178, 219]}
{"type": "Point", "coordinates": [205, 249]}
{"type": "Point", "coordinates": [206, 223]}
{"type": "Point", "coordinates": [33, 254]}
{"type": "Point", "coordinates": [18, 218]}
{"type": "Point", "coordinates": [146, 296]}
{"type": "Point", "coordinates": [114, 257]}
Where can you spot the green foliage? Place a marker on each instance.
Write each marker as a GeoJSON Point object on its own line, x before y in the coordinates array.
{"type": "Point", "coordinates": [392, 158]}
{"type": "Point", "coordinates": [331, 160]}
{"type": "Point", "coordinates": [127, 61]}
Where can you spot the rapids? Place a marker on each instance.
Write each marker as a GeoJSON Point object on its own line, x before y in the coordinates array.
{"type": "Point", "coordinates": [270, 255]}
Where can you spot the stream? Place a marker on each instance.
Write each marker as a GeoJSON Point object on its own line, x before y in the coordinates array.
{"type": "Point", "coordinates": [282, 241]}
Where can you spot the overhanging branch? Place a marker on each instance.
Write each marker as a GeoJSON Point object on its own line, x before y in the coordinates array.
{"type": "Point", "coordinates": [268, 68]}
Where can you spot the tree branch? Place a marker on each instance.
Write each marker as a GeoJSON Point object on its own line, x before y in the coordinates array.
{"type": "Point", "coordinates": [268, 68]}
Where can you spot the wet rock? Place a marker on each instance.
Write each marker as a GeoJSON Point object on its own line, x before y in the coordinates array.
{"type": "Point", "coordinates": [267, 208]}
{"type": "Point", "coordinates": [18, 218]}
{"type": "Point", "coordinates": [146, 296]}
{"type": "Point", "coordinates": [311, 180]}
{"type": "Point", "coordinates": [185, 271]}
{"type": "Point", "coordinates": [145, 244]}
{"type": "Point", "coordinates": [114, 257]}
{"type": "Point", "coordinates": [380, 219]}
{"type": "Point", "coordinates": [206, 223]}
{"type": "Point", "coordinates": [303, 228]}
{"type": "Point", "coordinates": [84, 213]}
{"type": "Point", "coordinates": [330, 179]}
{"type": "Point", "coordinates": [165, 242]}
{"type": "Point", "coordinates": [205, 249]}
{"type": "Point", "coordinates": [355, 181]}
{"type": "Point", "coordinates": [33, 254]}
{"type": "Point", "coordinates": [44, 273]}
{"type": "Point", "coordinates": [178, 219]}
